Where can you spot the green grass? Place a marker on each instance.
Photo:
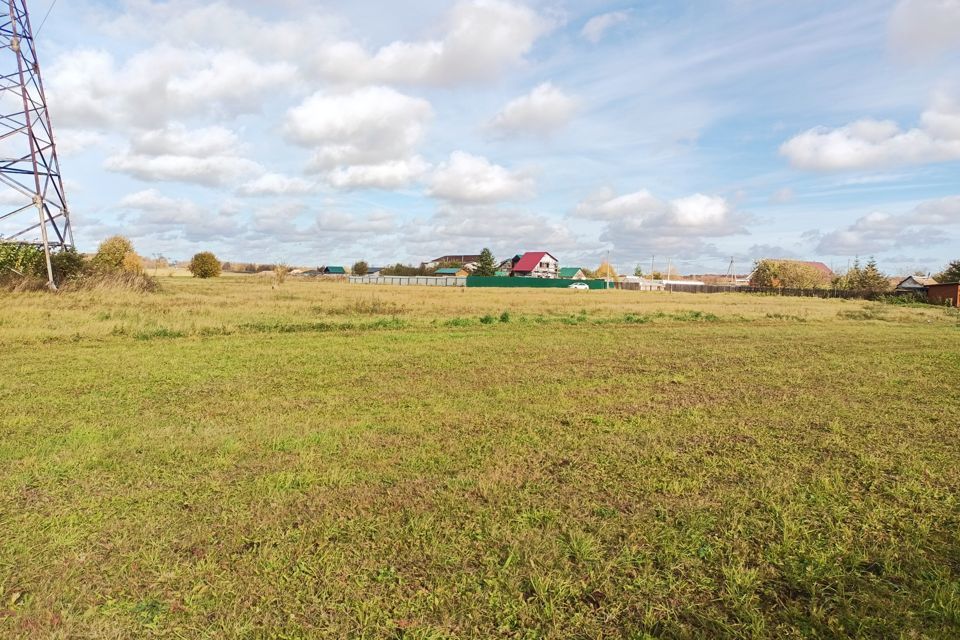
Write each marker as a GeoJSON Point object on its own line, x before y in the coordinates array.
{"type": "Point", "coordinates": [226, 460]}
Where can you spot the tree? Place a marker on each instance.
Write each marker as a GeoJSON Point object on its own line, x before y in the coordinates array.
{"type": "Point", "coordinates": [950, 274]}
{"type": "Point", "coordinates": [205, 265]}
{"type": "Point", "coordinates": [863, 278]}
{"type": "Point", "coordinates": [486, 265]}
{"type": "Point", "coordinates": [360, 268]}
{"type": "Point", "coordinates": [638, 271]}
{"type": "Point", "coordinates": [788, 274]}
{"type": "Point", "coordinates": [112, 255]}
{"type": "Point", "coordinates": [605, 271]}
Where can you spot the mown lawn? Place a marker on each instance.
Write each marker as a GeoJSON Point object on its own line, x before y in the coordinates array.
{"type": "Point", "coordinates": [227, 460]}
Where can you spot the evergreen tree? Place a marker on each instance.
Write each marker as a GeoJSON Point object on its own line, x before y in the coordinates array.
{"type": "Point", "coordinates": [950, 274]}
{"type": "Point", "coordinates": [486, 265]}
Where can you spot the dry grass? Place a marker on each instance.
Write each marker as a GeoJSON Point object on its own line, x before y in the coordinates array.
{"type": "Point", "coordinates": [221, 459]}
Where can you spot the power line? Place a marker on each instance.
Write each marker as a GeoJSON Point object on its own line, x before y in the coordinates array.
{"type": "Point", "coordinates": [44, 21]}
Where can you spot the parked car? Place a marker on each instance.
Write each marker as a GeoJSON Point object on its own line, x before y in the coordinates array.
{"type": "Point", "coordinates": [579, 285]}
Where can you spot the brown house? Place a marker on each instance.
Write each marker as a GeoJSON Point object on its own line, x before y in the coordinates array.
{"type": "Point", "coordinates": [944, 293]}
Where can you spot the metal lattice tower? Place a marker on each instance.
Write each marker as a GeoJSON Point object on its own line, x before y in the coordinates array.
{"type": "Point", "coordinates": [33, 206]}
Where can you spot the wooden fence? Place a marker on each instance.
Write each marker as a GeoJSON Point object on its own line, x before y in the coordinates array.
{"type": "Point", "coordinates": [776, 291]}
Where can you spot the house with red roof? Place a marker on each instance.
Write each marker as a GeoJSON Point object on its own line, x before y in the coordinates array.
{"type": "Point", "coordinates": [535, 264]}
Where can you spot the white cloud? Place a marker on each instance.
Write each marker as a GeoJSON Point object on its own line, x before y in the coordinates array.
{"type": "Point", "coordinates": [74, 141]}
{"type": "Point", "coordinates": [209, 156]}
{"type": "Point", "coordinates": [871, 144]}
{"type": "Point", "coordinates": [377, 222]}
{"type": "Point", "coordinates": [597, 26]}
{"type": "Point", "coordinates": [393, 174]}
{"type": "Point", "coordinates": [88, 89]}
{"type": "Point", "coordinates": [925, 28]}
{"type": "Point", "coordinates": [506, 231]}
{"type": "Point", "coordinates": [876, 232]}
{"type": "Point", "coordinates": [470, 179]}
{"type": "Point", "coordinates": [158, 215]}
{"type": "Point", "coordinates": [639, 223]}
{"type": "Point", "coordinates": [367, 137]}
{"type": "Point", "coordinates": [276, 184]}
{"type": "Point", "coordinates": [542, 111]}
{"type": "Point", "coordinates": [481, 39]}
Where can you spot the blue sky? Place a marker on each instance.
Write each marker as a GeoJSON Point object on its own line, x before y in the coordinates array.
{"type": "Point", "coordinates": [320, 133]}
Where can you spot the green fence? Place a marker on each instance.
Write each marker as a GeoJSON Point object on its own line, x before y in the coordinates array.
{"type": "Point", "coordinates": [530, 283]}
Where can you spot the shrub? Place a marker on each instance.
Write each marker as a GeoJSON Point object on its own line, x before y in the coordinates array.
{"type": "Point", "coordinates": [21, 259]}
{"type": "Point", "coordinates": [24, 261]}
{"type": "Point", "coordinates": [205, 265]}
{"type": "Point", "coordinates": [280, 273]}
{"type": "Point", "coordinates": [112, 254]}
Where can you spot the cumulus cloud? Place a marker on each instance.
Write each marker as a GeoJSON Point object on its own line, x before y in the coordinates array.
{"type": "Point", "coordinates": [481, 39]}
{"type": "Point", "coordinates": [505, 230]}
{"type": "Point", "coordinates": [641, 223]}
{"type": "Point", "coordinates": [392, 174]}
{"type": "Point", "coordinates": [924, 28]}
{"type": "Point", "coordinates": [597, 26]}
{"type": "Point", "coordinates": [469, 179]}
{"type": "Point", "coordinates": [542, 111]}
{"type": "Point", "coordinates": [90, 89]}
{"type": "Point", "coordinates": [209, 156]}
{"type": "Point", "coordinates": [871, 144]}
{"type": "Point", "coordinates": [876, 232]}
{"type": "Point", "coordinates": [155, 214]}
{"type": "Point", "coordinates": [363, 138]}
{"type": "Point", "coordinates": [276, 184]}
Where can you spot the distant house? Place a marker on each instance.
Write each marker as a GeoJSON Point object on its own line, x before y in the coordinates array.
{"type": "Point", "coordinates": [944, 293]}
{"type": "Point", "coordinates": [536, 264]}
{"type": "Point", "coordinates": [572, 273]}
{"type": "Point", "coordinates": [334, 271]}
{"type": "Point", "coordinates": [461, 260]}
{"type": "Point", "coordinates": [375, 271]}
{"type": "Point", "coordinates": [452, 271]}
{"type": "Point", "coordinates": [914, 284]}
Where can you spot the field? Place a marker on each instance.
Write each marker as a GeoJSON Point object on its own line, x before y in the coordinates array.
{"type": "Point", "coordinates": [226, 459]}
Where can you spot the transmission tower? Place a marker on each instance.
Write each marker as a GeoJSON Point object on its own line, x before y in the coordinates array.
{"type": "Point", "coordinates": [33, 207]}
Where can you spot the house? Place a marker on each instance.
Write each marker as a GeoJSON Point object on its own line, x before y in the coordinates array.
{"type": "Point", "coordinates": [913, 284]}
{"type": "Point", "coordinates": [536, 264]}
{"type": "Point", "coordinates": [452, 271]}
{"type": "Point", "coordinates": [334, 271]}
{"type": "Point", "coordinates": [375, 271]}
{"type": "Point", "coordinates": [461, 260]}
{"type": "Point", "coordinates": [947, 293]}
{"type": "Point", "coordinates": [572, 273]}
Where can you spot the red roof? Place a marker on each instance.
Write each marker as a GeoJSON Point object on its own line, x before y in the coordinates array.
{"type": "Point", "coordinates": [530, 260]}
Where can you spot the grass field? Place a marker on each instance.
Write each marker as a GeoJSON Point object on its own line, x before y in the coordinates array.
{"type": "Point", "coordinates": [227, 460]}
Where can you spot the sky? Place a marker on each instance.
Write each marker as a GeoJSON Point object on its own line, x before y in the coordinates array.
{"type": "Point", "coordinates": [329, 132]}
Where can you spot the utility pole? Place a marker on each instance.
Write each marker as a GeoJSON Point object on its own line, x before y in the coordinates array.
{"type": "Point", "coordinates": [30, 175]}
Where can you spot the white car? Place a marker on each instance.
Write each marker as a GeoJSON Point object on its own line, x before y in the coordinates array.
{"type": "Point", "coordinates": [579, 285]}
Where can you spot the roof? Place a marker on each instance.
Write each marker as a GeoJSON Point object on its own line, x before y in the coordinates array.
{"type": "Point", "coordinates": [334, 270]}
{"type": "Point", "coordinates": [530, 260]}
{"type": "Point", "coordinates": [945, 284]}
{"type": "Point", "coordinates": [569, 272]}
{"type": "Point", "coordinates": [920, 280]}
{"type": "Point", "coordinates": [447, 272]}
